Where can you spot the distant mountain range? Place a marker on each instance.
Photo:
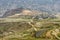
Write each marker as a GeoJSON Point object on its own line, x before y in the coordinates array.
{"type": "Point", "coordinates": [50, 6]}
{"type": "Point", "coordinates": [27, 13]}
{"type": "Point", "coordinates": [19, 12]}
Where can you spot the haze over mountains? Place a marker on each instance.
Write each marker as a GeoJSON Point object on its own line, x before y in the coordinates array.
{"type": "Point", "coordinates": [50, 6]}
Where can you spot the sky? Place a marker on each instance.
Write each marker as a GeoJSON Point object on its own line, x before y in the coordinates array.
{"type": "Point", "coordinates": [44, 5]}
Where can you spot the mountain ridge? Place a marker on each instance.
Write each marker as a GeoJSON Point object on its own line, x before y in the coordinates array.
{"type": "Point", "coordinates": [40, 5]}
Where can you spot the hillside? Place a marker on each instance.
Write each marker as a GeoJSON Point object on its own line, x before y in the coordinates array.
{"type": "Point", "coordinates": [27, 13]}
{"type": "Point", "coordinates": [29, 19]}
{"type": "Point", "coordinates": [21, 29]}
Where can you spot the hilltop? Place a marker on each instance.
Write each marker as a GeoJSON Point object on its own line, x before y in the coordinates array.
{"type": "Point", "coordinates": [27, 13]}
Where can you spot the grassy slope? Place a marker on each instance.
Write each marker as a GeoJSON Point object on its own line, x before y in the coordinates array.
{"type": "Point", "coordinates": [21, 24]}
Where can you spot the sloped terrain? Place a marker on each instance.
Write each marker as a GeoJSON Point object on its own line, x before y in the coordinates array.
{"type": "Point", "coordinates": [23, 30]}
